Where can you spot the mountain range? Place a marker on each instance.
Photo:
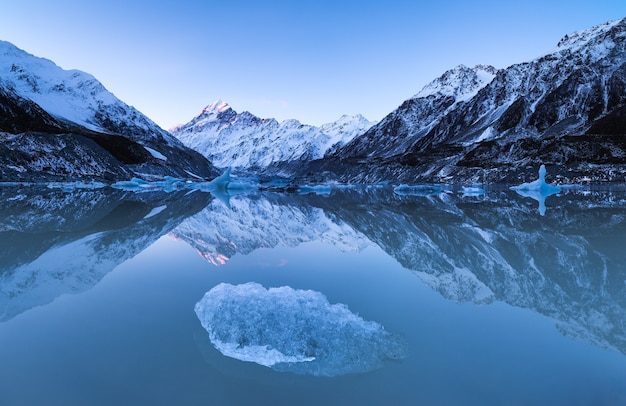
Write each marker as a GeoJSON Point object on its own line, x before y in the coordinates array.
{"type": "Point", "coordinates": [565, 109]}
{"type": "Point", "coordinates": [246, 142]}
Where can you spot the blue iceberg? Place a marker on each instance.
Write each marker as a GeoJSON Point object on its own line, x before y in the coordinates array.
{"type": "Point", "coordinates": [293, 330]}
{"type": "Point", "coordinates": [538, 190]}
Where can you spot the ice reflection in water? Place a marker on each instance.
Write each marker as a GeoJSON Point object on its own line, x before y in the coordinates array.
{"type": "Point", "coordinates": [294, 330]}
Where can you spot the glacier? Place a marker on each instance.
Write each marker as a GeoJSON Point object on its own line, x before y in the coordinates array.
{"type": "Point", "coordinates": [294, 330]}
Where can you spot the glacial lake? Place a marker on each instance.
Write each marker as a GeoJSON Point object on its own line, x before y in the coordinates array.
{"type": "Point", "coordinates": [351, 296]}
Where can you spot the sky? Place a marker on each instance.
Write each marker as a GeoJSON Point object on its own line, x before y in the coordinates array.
{"type": "Point", "coordinates": [307, 60]}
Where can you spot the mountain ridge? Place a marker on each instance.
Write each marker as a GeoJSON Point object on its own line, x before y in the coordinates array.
{"type": "Point", "coordinates": [39, 101]}
{"type": "Point", "coordinates": [550, 110]}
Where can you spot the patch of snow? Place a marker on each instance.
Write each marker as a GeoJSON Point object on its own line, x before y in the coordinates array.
{"type": "Point", "coordinates": [155, 153]}
{"type": "Point", "coordinates": [155, 211]}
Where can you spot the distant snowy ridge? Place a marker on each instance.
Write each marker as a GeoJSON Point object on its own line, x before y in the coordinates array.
{"type": "Point", "coordinates": [243, 141]}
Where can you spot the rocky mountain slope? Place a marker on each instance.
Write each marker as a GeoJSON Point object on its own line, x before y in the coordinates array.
{"type": "Point", "coordinates": [108, 139]}
{"type": "Point", "coordinates": [565, 109]}
{"type": "Point", "coordinates": [243, 141]}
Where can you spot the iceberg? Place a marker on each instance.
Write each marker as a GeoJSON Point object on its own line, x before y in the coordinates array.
{"type": "Point", "coordinates": [168, 184]}
{"type": "Point", "coordinates": [315, 189]}
{"type": "Point", "coordinates": [71, 186]}
{"type": "Point", "coordinates": [538, 190]}
{"type": "Point", "coordinates": [539, 185]}
{"type": "Point", "coordinates": [292, 330]}
{"type": "Point", "coordinates": [222, 181]}
{"type": "Point", "coordinates": [472, 191]}
{"type": "Point", "coordinates": [132, 185]}
{"type": "Point", "coordinates": [219, 183]}
{"type": "Point", "coordinates": [417, 190]}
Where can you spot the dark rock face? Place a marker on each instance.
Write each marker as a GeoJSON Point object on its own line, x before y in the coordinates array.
{"type": "Point", "coordinates": [566, 109]}
{"type": "Point", "coordinates": [42, 157]}
{"type": "Point", "coordinates": [18, 115]}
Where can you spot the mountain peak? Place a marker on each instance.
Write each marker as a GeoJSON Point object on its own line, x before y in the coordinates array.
{"type": "Point", "coordinates": [244, 141]}
{"type": "Point", "coordinates": [580, 38]}
{"type": "Point", "coordinates": [460, 82]}
{"type": "Point", "coordinates": [216, 107]}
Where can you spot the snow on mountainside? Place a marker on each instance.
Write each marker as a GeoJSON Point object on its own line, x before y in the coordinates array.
{"type": "Point", "coordinates": [566, 109]}
{"type": "Point", "coordinates": [461, 82]}
{"type": "Point", "coordinates": [244, 141]}
{"type": "Point", "coordinates": [37, 95]}
{"type": "Point", "coordinates": [72, 95]}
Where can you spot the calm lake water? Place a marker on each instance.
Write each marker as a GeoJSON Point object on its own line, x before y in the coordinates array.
{"type": "Point", "coordinates": [350, 297]}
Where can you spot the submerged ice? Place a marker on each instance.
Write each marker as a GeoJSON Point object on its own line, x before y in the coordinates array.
{"type": "Point", "coordinates": [294, 330]}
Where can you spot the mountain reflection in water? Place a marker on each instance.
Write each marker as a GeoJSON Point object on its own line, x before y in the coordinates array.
{"type": "Point", "coordinates": [568, 264]}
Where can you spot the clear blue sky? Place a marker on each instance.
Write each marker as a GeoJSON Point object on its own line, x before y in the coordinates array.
{"type": "Point", "coordinates": [309, 60]}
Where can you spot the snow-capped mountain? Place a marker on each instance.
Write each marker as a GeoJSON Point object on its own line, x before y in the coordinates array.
{"type": "Point", "coordinates": [37, 95]}
{"type": "Point", "coordinates": [566, 108]}
{"type": "Point", "coordinates": [244, 141]}
{"type": "Point", "coordinates": [398, 131]}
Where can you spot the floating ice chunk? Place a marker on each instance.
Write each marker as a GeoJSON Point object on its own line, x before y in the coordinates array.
{"type": "Point", "coordinates": [133, 184]}
{"type": "Point", "coordinates": [316, 189]}
{"type": "Point", "coordinates": [243, 184]}
{"type": "Point", "coordinates": [539, 185]}
{"type": "Point", "coordinates": [472, 191]}
{"type": "Point", "coordinates": [168, 184]}
{"type": "Point", "coordinates": [294, 330]}
{"type": "Point", "coordinates": [538, 190]}
{"type": "Point", "coordinates": [417, 190]}
{"type": "Point", "coordinates": [222, 181]}
{"type": "Point", "coordinates": [69, 186]}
